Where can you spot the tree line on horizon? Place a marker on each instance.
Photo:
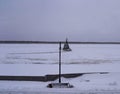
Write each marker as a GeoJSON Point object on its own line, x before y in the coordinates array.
{"type": "Point", "coordinates": [56, 42]}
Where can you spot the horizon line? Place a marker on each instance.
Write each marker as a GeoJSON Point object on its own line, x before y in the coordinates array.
{"type": "Point", "coordinates": [50, 42]}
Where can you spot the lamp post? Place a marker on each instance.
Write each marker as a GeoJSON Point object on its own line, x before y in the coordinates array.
{"type": "Point", "coordinates": [60, 84]}
{"type": "Point", "coordinates": [60, 62]}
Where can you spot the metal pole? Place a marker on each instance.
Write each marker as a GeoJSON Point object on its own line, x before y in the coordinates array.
{"type": "Point", "coordinates": [60, 62]}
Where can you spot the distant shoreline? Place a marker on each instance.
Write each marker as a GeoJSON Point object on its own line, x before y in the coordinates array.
{"type": "Point", "coordinates": [54, 42]}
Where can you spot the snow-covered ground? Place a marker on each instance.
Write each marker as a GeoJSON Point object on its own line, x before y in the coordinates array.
{"type": "Point", "coordinates": [41, 70]}
{"type": "Point", "coordinates": [86, 84]}
{"type": "Point", "coordinates": [42, 59]}
{"type": "Point", "coordinates": [48, 54]}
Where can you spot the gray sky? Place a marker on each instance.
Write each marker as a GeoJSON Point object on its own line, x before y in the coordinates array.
{"type": "Point", "coordinates": [78, 20]}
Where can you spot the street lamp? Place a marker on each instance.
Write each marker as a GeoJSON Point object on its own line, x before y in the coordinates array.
{"type": "Point", "coordinates": [60, 84]}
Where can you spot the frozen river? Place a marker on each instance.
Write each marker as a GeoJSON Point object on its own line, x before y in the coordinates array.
{"type": "Point", "coordinates": [42, 59]}
{"type": "Point", "coordinates": [48, 54]}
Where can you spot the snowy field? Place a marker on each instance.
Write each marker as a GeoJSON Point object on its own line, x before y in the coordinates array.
{"type": "Point", "coordinates": [86, 84]}
{"type": "Point", "coordinates": [42, 59]}
{"type": "Point", "coordinates": [48, 54]}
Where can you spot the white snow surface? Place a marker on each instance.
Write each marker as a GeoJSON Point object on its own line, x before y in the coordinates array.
{"type": "Point", "coordinates": [42, 59]}
{"type": "Point", "coordinates": [41, 70]}
{"type": "Point", "coordinates": [48, 54]}
{"type": "Point", "coordinates": [86, 83]}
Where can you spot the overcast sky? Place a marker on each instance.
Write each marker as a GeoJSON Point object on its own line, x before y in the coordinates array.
{"type": "Point", "coordinates": [42, 20]}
